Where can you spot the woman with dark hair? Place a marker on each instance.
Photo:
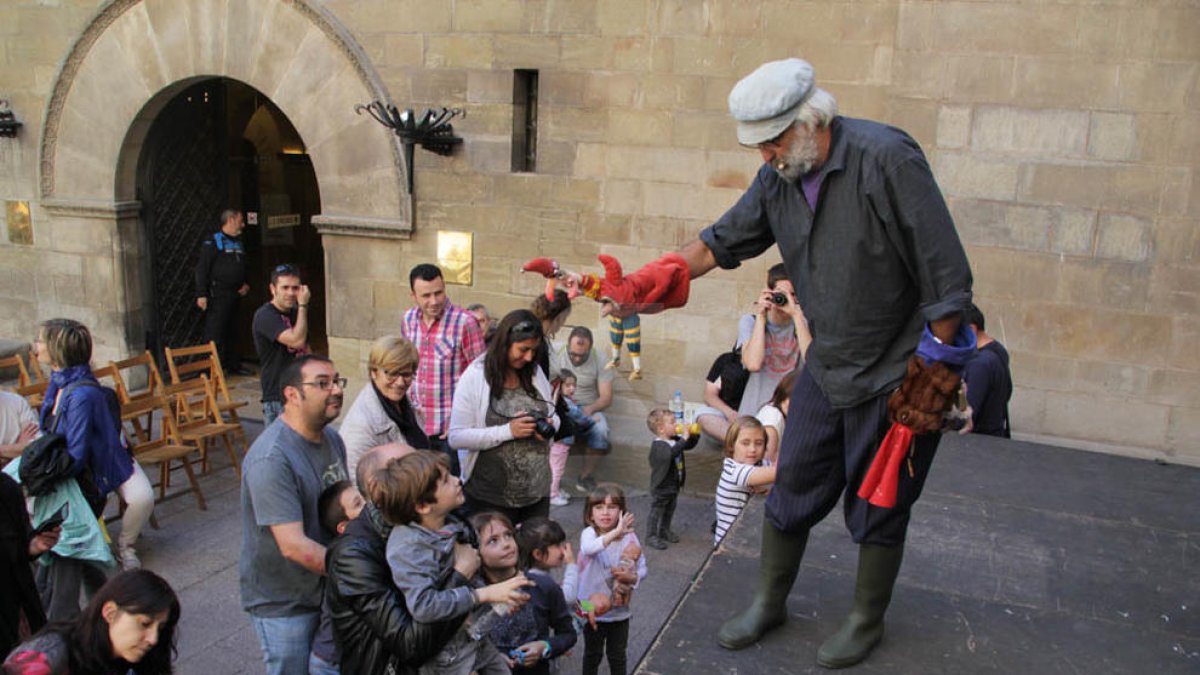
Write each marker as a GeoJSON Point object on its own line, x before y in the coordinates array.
{"type": "Point", "coordinates": [553, 314]}
{"type": "Point", "coordinates": [88, 415]}
{"type": "Point", "coordinates": [499, 404]}
{"type": "Point", "coordinates": [382, 413]}
{"type": "Point", "coordinates": [128, 627]}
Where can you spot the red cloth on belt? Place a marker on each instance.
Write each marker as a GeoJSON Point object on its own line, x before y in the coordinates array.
{"type": "Point", "coordinates": [883, 477]}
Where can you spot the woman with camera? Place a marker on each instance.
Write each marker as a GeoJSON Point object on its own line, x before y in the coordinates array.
{"type": "Point", "coordinates": [773, 339]}
{"type": "Point", "coordinates": [127, 628]}
{"type": "Point", "coordinates": [503, 416]}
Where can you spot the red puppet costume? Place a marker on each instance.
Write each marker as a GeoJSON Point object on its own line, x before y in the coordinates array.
{"type": "Point", "coordinates": [876, 262]}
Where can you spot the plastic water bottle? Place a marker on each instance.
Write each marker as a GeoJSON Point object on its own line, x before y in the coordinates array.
{"type": "Point", "coordinates": [485, 617]}
{"type": "Point", "coordinates": [676, 406]}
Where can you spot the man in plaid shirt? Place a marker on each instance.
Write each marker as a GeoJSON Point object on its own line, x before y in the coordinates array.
{"type": "Point", "coordinates": [447, 338]}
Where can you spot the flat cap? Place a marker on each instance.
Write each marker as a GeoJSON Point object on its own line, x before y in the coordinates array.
{"type": "Point", "coordinates": [766, 102]}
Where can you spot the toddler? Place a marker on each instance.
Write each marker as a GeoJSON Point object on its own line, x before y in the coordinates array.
{"type": "Point", "coordinates": [602, 547]}
{"type": "Point", "coordinates": [745, 447]}
{"type": "Point", "coordinates": [338, 504]}
{"type": "Point", "coordinates": [525, 634]}
{"type": "Point", "coordinates": [561, 449]}
{"type": "Point", "coordinates": [417, 492]}
{"type": "Point", "coordinates": [667, 473]}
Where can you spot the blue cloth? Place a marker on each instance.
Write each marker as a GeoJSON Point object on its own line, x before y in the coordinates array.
{"type": "Point", "coordinates": [93, 433]}
{"type": "Point", "coordinates": [286, 641]}
{"type": "Point", "coordinates": [954, 355]}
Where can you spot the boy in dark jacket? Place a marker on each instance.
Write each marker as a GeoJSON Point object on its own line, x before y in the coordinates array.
{"type": "Point", "coordinates": [667, 473]}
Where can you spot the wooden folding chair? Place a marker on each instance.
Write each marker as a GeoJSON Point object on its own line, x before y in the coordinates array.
{"type": "Point", "coordinates": [131, 369]}
{"type": "Point", "coordinates": [15, 361]}
{"type": "Point", "coordinates": [184, 361]}
{"type": "Point", "coordinates": [200, 421]}
{"type": "Point", "coordinates": [35, 393]}
{"type": "Point", "coordinates": [162, 448]}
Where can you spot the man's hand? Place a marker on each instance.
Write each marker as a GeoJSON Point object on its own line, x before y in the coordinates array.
{"type": "Point", "coordinates": [44, 541]}
{"type": "Point", "coordinates": [244, 290]}
{"type": "Point", "coordinates": [202, 303]}
{"type": "Point", "coordinates": [303, 295]}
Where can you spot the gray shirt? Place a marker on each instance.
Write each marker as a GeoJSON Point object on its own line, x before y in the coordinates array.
{"type": "Point", "coordinates": [878, 258]}
{"type": "Point", "coordinates": [422, 564]}
{"type": "Point", "coordinates": [781, 353]}
{"type": "Point", "coordinates": [282, 477]}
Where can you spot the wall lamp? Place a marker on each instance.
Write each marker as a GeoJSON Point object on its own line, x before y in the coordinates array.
{"type": "Point", "coordinates": [431, 129]}
{"type": "Point", "coordinates": [8, 120]}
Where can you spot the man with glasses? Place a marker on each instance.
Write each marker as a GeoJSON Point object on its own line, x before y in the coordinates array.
{"type": "Point", "coordinates": [448, 338]}
{"type": "Point", "coordinates": [280, 333]}
{"type": "Point", "coordinates": [282, 562]}
{"type": "Point", "coordinates": [593, 393]}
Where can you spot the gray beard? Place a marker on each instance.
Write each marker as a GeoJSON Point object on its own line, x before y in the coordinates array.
{"type": "Point", "coordinates": [800, 159]}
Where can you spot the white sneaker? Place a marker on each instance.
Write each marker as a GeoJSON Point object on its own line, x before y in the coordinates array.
{"type": "Point", "coordinates": [128, 558]}
{"type": "Point", "coordinates": [560, 500]}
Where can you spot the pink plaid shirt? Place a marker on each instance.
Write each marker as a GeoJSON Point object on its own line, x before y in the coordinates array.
{"type": "Point", "coordinates": [446, 348]}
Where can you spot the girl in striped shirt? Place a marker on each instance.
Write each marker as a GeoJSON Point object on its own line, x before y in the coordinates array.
{"type": "Point", "coordinates": [745, 446]}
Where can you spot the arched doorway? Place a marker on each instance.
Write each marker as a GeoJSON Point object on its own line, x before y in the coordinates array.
{"type": "Point", "coordinates": [216, 144]}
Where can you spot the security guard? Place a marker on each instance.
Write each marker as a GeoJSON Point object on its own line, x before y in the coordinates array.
{"type": "Point", "coordinates": [220, 285]}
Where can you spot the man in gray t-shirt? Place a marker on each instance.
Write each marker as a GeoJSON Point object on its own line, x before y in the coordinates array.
{"type": "Point", "coordinates": [283, 548]}
{"type": "Point", "coordinates": [593, 393]}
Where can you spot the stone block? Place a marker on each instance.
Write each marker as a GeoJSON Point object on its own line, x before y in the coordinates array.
{"type": "Point", "coordinates": [1174, 387]}
{"type": "Point", "coordinates": [590, 160]}
{"type": "Point", "coordinates": [587, 52]}
{"type": "Point", "coordinates": [852, 62]}
{"type": "Point", "coordinates": [1044, 133]}
{"type": "Point", "coordinates": [404, 49]}
{"type": "Point", "coordinates": [622, 196]}
{"type": "Point", "coordinates": [1185, 335]}
{"type": "Point", "coordinates": [1117, 188]}
{"type": "Point", "coordinates": [620, 17]}
{"type": "Point", "coordinates": [488, 16]}
{"type": "Point", "coordinates": [438, 87]}
{"type": "Point", "coordinates": [731, 17]}
{"type": "Point", "coordinates": [1089, 417]}
{"type": "Point", "coordinates": [678, 201]}
{"type": "Point", "coordinates": [917, 116]}
{"type": "Point", "coordinates": [1176, 191]}
{"type": "Point", "coordinates": [980, 77]}
{"type": "Point", "coordinates": [1009, 225]}
{"type": "Point", "coordinates": [1112, 136]}
{"type": "Point", "coordinates": [489, 156]}
{"type": "Point", "coordinates": [679, 17]}
{"type": "Point", "coordinates": [604, 228]}
{"type": "Point", "coordinates": [458, 51]}
{"type": "Point", "coordinates": [611, 90]}
{"type": "Point", "coordinates": [1069, 83]}
{"type": "Point", "coordinates": [962, 174]}
{"type": "Point", "coordinates": [953, 126]}
{"type": "Point", "coordinates": [562, 16]}
{"type": "Point", "coordinates": [1176, 241]}
{"type": "Point", "coordinates": [638, 127]}
{"type": "Point", "coordinates": [471, 188]}
{"type": "Point", "coordinates": [1124, 237]}
{"type": "Point", "coordinates": [1073, 232]}
{"type": "Point", "coordinates": [1113, 379]}
{"type": "Point", "coordinates": [671, 92]}
{"type": "Point", "coordinates": [1183, 433]}
{"type": "Point", "coordinates": [675, 165]}
{"type": "Point", "coordinates": [556, 158]}
{"type": "Point", "coordinates": [704, 130]}
{"type": "Point", "coordinates": [658, 233]}
{"type": "Point", "coordinates": [1040, 371]}
{"type": "Point", "coordinates": [573, 124]}
{"type": "Point", "coordinates": [1156, 86]}
{"type": "Point", "coordinates": [526, 51]}
{"type": "Point", "coordinates": [799, 24]}
{"type": "Point", "coordinates": [1101, 334]}
{"type": "Point", "coordinates": [705, 56]}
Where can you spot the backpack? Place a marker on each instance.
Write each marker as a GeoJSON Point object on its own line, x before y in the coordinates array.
{"type": "Point", "coordinates": [733, 374]}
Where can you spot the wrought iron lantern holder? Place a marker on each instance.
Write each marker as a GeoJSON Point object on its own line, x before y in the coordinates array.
{"type": "Point", "coordinates": [431, 129]}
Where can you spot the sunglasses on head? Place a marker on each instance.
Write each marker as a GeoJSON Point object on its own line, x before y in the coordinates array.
{"type": "Point", "coordinates": [525, 330]}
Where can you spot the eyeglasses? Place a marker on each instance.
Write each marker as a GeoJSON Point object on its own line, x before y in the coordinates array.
{"type": "Point", "coordinates": [525, 330]}
{"type": "Point", "coordinates": [393, 375]}
{"type": "Point", "coordinates": [326, 385]}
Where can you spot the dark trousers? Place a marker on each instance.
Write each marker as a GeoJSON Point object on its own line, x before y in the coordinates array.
{"type": "Point", "coordinates": [442, 445]}
{"type": "Point", "coordinates": [826, 451]}
{"type": "Point", "coordinates": [220, 326]}
{"type": "Point", "coordinates": [662, 510]}
{"type": "Point", "coordinates": [59, 584]}
{"type": "Point", "coordinates": [517, 515]}
{"type": "Point", "coordinates": [608, 639]}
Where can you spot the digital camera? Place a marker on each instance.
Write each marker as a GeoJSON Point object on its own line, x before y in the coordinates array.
{"type": "Point", "coordinates": [543, 427]}
{"type": "Point", "coordinates": [780, 299]}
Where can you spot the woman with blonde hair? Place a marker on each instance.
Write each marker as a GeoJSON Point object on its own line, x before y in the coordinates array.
{"type": "Point", "coordinates": [382, 413]}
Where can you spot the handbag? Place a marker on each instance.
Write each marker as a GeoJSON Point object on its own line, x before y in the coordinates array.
{"type": "Point", "coordinates": [45, 461]}
{"type": "Point", "coordinates": [733, 374]}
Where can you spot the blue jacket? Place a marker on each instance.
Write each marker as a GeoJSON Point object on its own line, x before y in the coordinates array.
{"type": "Point", "coordinates": [93, 434]}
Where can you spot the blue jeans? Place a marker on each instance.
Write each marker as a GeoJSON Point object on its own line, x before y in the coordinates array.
{"type": "Point", "coordinates": [286, 641]}
{"type": "Point", "coordinates": [319, 666]}
{"type": "Point", "coordinates": [596, 437]}
{"type": "Point", "coordinates": [271, 410]}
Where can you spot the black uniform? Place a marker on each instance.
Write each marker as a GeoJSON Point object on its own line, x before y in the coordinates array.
{"type": "Point", "coordinates": [220, 272]}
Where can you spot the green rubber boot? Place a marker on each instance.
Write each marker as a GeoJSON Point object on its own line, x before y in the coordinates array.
{"type": "Point", "coordinates": [779, 562]}
{"type": "Point", "coordinates": [863, 628]}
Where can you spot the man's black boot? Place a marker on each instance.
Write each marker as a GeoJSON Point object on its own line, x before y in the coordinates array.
{"type": "Point", "coordinates": [863, 628]}
{"type": "Point", "coordinates": [779, 563]}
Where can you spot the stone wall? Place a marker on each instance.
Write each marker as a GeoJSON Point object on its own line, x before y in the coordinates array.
{"type": "Point", "coordinates": [1065, 136]}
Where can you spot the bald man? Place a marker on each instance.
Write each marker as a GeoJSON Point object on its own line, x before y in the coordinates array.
{"type": "Point", "coordinates": [371, 622]}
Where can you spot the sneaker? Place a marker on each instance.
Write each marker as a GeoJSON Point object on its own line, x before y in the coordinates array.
{"type": "Point", "coordinates": [560, 500]}
{"type": "Point", "coordinates": [655, 542]}
{"type": "Point", "coordinates": [613, 364]}
{"type": "Point", "coordinates": [670, 536]}
{"type": "Point", "coordinates": [635, 375]}
{"type": "Point", "coordinates": [128, 558]}
{"type": "Point", "coordinates": [585, 483]}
